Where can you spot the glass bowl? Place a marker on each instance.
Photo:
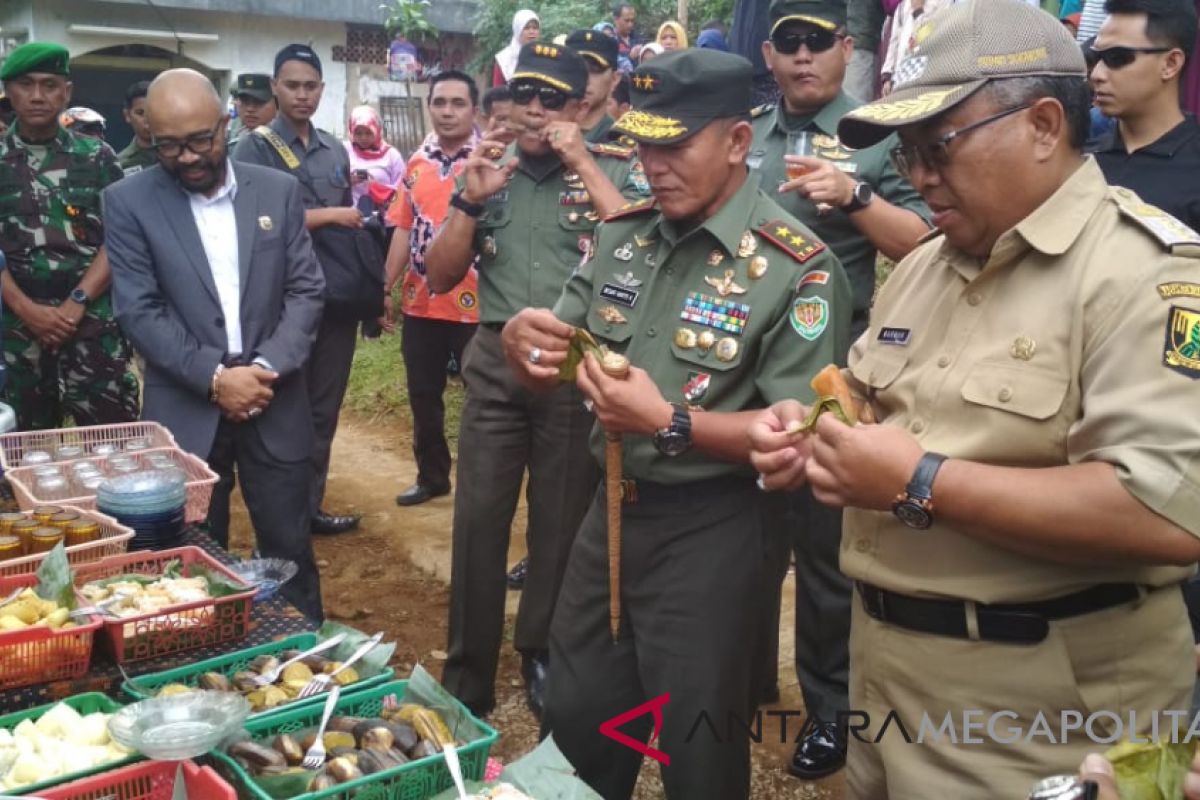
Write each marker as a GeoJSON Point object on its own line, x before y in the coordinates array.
{"type": "Point", "coordinates": [181, 726]}
{"type": "Point", "coordinates": [268, 574]}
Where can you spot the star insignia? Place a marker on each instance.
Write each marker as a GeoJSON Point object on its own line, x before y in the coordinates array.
{"type": "Point", "coordinates": [781, 231]}
{"type": "Point", "coordinates": [797, 240]}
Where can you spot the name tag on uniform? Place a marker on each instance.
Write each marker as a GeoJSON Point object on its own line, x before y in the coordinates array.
{"type": "Point", "coordinates": [896, 336]}
{"type": "Point", "coordinates": [618, 294]}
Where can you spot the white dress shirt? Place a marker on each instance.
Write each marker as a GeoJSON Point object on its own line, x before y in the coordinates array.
{"type": "Point", "coordinates": [218, 232]}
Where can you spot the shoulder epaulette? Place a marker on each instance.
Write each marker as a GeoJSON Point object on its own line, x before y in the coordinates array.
{"type": "Point", "coordinates": [765, 108]}
{"type": "Point", "coordinates": [625, 140]}
{"type": "Point", "coordinates": [632, 209]}
{"type": "Point", "coordinates": [610, 149]}
{"type": "Point", "coordinates": [791, 240]}
{"type": "Point", "coordinates": [1172, 234]}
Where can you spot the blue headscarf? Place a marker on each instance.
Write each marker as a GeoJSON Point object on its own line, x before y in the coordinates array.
{"type": "Point", "coordinates": [713, 40]}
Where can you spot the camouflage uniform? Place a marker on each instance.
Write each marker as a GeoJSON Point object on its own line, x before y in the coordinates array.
{"type": "Point", "coordinates": [50, 231]}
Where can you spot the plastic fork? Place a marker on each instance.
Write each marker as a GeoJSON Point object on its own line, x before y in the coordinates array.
{"type": "Point", "coordinates": [320, 683]}
{"type": "Point", "coordinates": [315, 757]}
{"type": "Point", "coordinates": [272, 675]}
{"type": "Point", "coordinates": [455, 770]}
{"type": "Point", "coordinates": [100, 608]}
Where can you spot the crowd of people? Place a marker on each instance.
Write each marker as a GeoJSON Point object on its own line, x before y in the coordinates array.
{"type": "Point", "coordinates": [998, 514]}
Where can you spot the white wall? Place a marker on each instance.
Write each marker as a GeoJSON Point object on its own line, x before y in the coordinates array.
{"type": "Point", "coordinates": [246, 43]}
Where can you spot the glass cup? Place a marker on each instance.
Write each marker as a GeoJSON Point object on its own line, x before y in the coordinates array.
{"type": "Point", "coordinates": [799, 144]}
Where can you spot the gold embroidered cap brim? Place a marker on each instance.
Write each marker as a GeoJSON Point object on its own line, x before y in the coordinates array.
{"type": "Point", "coordinates": [874, 122]}
{"type": "Point", "coordinates": [811, 20]}
{"type": "Point", "coordinates": [643, 126]}
{"type": "Point", "coordinates": [544, 78]}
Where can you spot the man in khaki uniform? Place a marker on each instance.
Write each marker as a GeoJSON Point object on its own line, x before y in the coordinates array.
{"type": "Point", "coordinates": [1018, 524]}
{"type": "Point", "coordinates": [719, 299]}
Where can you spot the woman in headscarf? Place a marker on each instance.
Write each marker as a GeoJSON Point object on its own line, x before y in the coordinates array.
{"type": "Point", "coordinates": [371, 158]}
{"type": "Point", "coordinates": [649, 51]}
{"type": "Point", "coordinates": [671, 36]}
{"type": "Point", "coordinates": [526, 28]}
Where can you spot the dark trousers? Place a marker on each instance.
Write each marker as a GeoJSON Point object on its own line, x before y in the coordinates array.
{"type": "Point", "coordinates": [276, 494]}
{"type": "Point", "coordinates": [427, 345]}
{"type": "Point", "coordinates": [691, 569]}
{"type": "Point", "coordinates": [328, 373]}
{"type": "Point", "coordinates": [507, 430]}
{"type": "Point", "coordinates": [799, 526]}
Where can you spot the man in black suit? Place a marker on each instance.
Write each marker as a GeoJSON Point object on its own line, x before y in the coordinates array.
{"type": "Point", "coordinates": [216, 284]}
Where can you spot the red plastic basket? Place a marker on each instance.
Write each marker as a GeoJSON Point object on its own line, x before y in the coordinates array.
{"type": "Point", "coordinates": [200, 481]}
{"type": "Point", "coordinates": [149, 780]}
{"type": "Point", "coordinates": [14, 445]}
{"type": "Point", "coordinates": [38, 654]}
{"type": "Point", "coordinates": [113, 541]}
{"type": "Point", "coordinates": [174, 629]}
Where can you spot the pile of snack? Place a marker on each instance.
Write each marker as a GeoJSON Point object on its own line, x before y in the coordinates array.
{"type": "Point", "coordinates": [62, 741]}
{"type": "Point", "coordinates": [292, 679]}
{"type": "Point", "coordinates": [28, 610]}
{"type": "Point", "coordinates": [134, 598]}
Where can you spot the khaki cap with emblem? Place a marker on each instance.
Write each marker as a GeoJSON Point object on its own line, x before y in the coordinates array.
{"type": "Point", "coordinates": [956, 51]}
{"type": "Point", "coordinates": [554, 65]}
{"type": "Point", "coordinates": [676, 94]}
{"type": "Point", "coordinates": [826, 14]}
{"type": "Point", "coordinates": [253, 84]}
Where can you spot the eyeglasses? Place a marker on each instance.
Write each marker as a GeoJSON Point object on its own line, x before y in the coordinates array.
{"type": "Point", "coordinates": [198, 143]}
{"type": "Point", "coordinates": [1117, 57]}
{"type": "Point", "coordinates": [552, 99]}
{"type": "Point", "coordinates": [936, 154]}
{"type": "Point", "coordinates": [816, 41]}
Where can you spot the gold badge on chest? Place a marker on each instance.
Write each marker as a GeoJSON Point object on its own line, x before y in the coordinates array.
{"type": "Point", "coordinates": [726, 285]}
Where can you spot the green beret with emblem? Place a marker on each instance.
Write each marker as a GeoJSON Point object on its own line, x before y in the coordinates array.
{"type": "Point", "coordinates": [554, 65]}
{"type": "Point", "coordinates": [676, 94]}
{"type": "Point", "coordinates": [36, 57]}
{"type": "Point", "coordinates": [828, 15]}
{"type": "Point", "coordinates": [599, 47]}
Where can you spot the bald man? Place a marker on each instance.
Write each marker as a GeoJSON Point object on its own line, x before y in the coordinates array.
{"type": "Point", "coordinates": [216, 284]}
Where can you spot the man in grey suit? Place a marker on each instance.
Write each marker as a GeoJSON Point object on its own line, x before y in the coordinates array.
{"type": "Point", "coordinates": [216, 284]}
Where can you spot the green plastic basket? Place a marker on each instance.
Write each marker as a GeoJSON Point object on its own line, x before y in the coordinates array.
{"type": "Point", "coordinates": [85, 704]}
{"type": "Point", "coordinates": [416, 780]}
{"type": "Point", "coordinates": [146, 686]}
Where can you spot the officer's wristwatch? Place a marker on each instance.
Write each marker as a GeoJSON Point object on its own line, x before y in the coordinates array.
{"type": "Point", "coordinates": [914, 506]}
{"type": "Point", "coordinates": [861, 198]}
{"type": "Point", "coordinates": [676, 438]}
{"type": "Point", "coordinates": [80, 296]}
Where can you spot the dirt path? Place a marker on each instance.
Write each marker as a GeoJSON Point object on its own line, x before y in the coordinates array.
{"type": "Point", "coordinates": [394, 576]}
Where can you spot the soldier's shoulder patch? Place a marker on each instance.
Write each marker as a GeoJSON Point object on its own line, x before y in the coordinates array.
{"type": "Point", "coordinates": [1181, 350]}
{"type": "Point", "coordinates": [791, 240]}
{"type": "Point", "coordinates": [758, 111]}
{"type": "Point", "coordinates": [632, 209]}
{"type": "Point", "coordinates": [610, 149]}
{"type": "Point", "coordinates": [1172, 234]}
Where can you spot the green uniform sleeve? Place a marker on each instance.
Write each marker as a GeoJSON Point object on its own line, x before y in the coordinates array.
{"type": "Point", "coordinates": [896, 189]}
{"type": "Point", "coordinates": [627, 175]}
{"type": "Point", "coordinates": [814, 332]}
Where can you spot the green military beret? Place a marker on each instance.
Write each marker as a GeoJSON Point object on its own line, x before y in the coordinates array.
{"type": "Point", "coordinates": [827, 14]}
{"type": "Point", "coordinates": [36, 57]}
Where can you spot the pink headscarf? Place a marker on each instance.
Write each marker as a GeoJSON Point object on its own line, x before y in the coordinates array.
{"type": "Point", "coordinates": [367, 117]}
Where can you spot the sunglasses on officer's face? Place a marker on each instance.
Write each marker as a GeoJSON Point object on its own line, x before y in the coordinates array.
{"type": "Point", "coordinates": [551, 99]}
{"type": "Point", "coordinates": [1117, 57]}
{"type": "Point", "coordinates": [788, 43]}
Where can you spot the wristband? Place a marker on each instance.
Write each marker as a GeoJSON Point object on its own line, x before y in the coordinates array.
{"type": "Point", "coordinates": [467, 207]}
{"type": "Point", "coordinates": [214, 392]}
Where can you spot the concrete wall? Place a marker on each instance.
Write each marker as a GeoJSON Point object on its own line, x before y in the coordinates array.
{"type": "Point", "coordinates": [455, 16]}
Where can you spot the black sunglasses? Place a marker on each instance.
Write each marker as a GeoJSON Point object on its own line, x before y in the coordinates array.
{"type": "Point", "coordinates": [1117, 57]}
{"type": "Point", "coordinates": [816, 41]}
{"type": "Point", "coordinates": [198, 143]}
{"type": "Point", "coordinates": [552, 99]}
{"type": "Point", "coordinates": [936, 154]}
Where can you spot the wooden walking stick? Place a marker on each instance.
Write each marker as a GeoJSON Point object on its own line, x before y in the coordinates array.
{"type": "Point", "coordinates": [614, 365]}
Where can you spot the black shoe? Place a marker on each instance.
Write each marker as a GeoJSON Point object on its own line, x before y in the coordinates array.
{"type": "Point", "coordinates": [417, 494]}
{"type": "Point", "coordinates": [327, 524]}
{"type": "Point", "coordinates": [516, 575]}
{"type": "Point", "coordinates": [822, 752]}
{"type": "Point", "coordinates": [534, 669]}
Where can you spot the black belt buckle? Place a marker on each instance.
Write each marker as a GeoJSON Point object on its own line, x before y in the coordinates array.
{"type": "Point", "coordinates": [1011, 627]}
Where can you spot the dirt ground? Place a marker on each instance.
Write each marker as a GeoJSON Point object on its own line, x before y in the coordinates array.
{"type": "Point", "coordinates": [393, 575]}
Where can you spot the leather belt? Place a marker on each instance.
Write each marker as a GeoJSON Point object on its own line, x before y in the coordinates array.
{"type": "Point", "coordinates": [1013, 623]}
{"type": "Point", "coordinates": [646, 492]}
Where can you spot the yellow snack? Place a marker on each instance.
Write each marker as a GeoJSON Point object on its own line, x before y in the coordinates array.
{"type": "Point", "coordinates": [11, 623]}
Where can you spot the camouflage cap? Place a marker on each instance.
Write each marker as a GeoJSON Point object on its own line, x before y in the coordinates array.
{"type": "Point", "coordinates": [676, 94]}
{"type": "Point", "coordinates": [599, 47]}
{"type": "Point", "coordinates": [253, 84]}
{"type": "Point", "coordinates": [826, 14]}
{"type": "Point", "coordinates": [956, 51]}
{"type": "Point", "coordinates": [36, 57]}
{"type": "Point", "coordinates": [552, 64]}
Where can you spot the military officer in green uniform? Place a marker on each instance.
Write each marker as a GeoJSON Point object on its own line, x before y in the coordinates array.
{"type": "Point", "coordinates": [65, 355]}
{"type": "Point", "coordinates": [858, 205]}
{"type": "Point", "coordinates": [139, 154]}
{"type": "Point", "coordinates": [721, 300]}
{"type": "Point", "coordinates": [600, 54]}
{"type": "Point", "coordinates": [529, 213]}
{"type": "Point", "coordinates": [254, 102]}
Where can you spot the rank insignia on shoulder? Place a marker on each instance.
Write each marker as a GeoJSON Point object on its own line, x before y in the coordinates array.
{"type": "Point", "coordinates": [1181, 352]}
{"type": "Point", "coordinates": [758, 111]}
{"type": "Point", "coordinates": [791, 241]}
{"type": "Point", "coordinates": [610, 149]}
{"type": "Point", "coordinates": [630, 209]}
{"type": "Point", "coordinates": [1170, 232]}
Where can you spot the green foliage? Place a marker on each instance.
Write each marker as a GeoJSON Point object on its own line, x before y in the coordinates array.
{"type": "Point", "coordinates": [494, 30]}
{"type": "Point", "coordinates": [408, 17]}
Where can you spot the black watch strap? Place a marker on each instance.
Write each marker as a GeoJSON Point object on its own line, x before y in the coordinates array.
{"type": "Point", "coordinates": [920, 487]}
{"type": "Point", "coordinates": [465, 206]}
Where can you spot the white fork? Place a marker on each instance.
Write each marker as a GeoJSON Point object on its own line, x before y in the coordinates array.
{"type": "Point", "coordinates": [315, 757]}
{"type": "Point", "coordinates": [270, 676]}
{"type": "Point", "coordinates": [320, 683]}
